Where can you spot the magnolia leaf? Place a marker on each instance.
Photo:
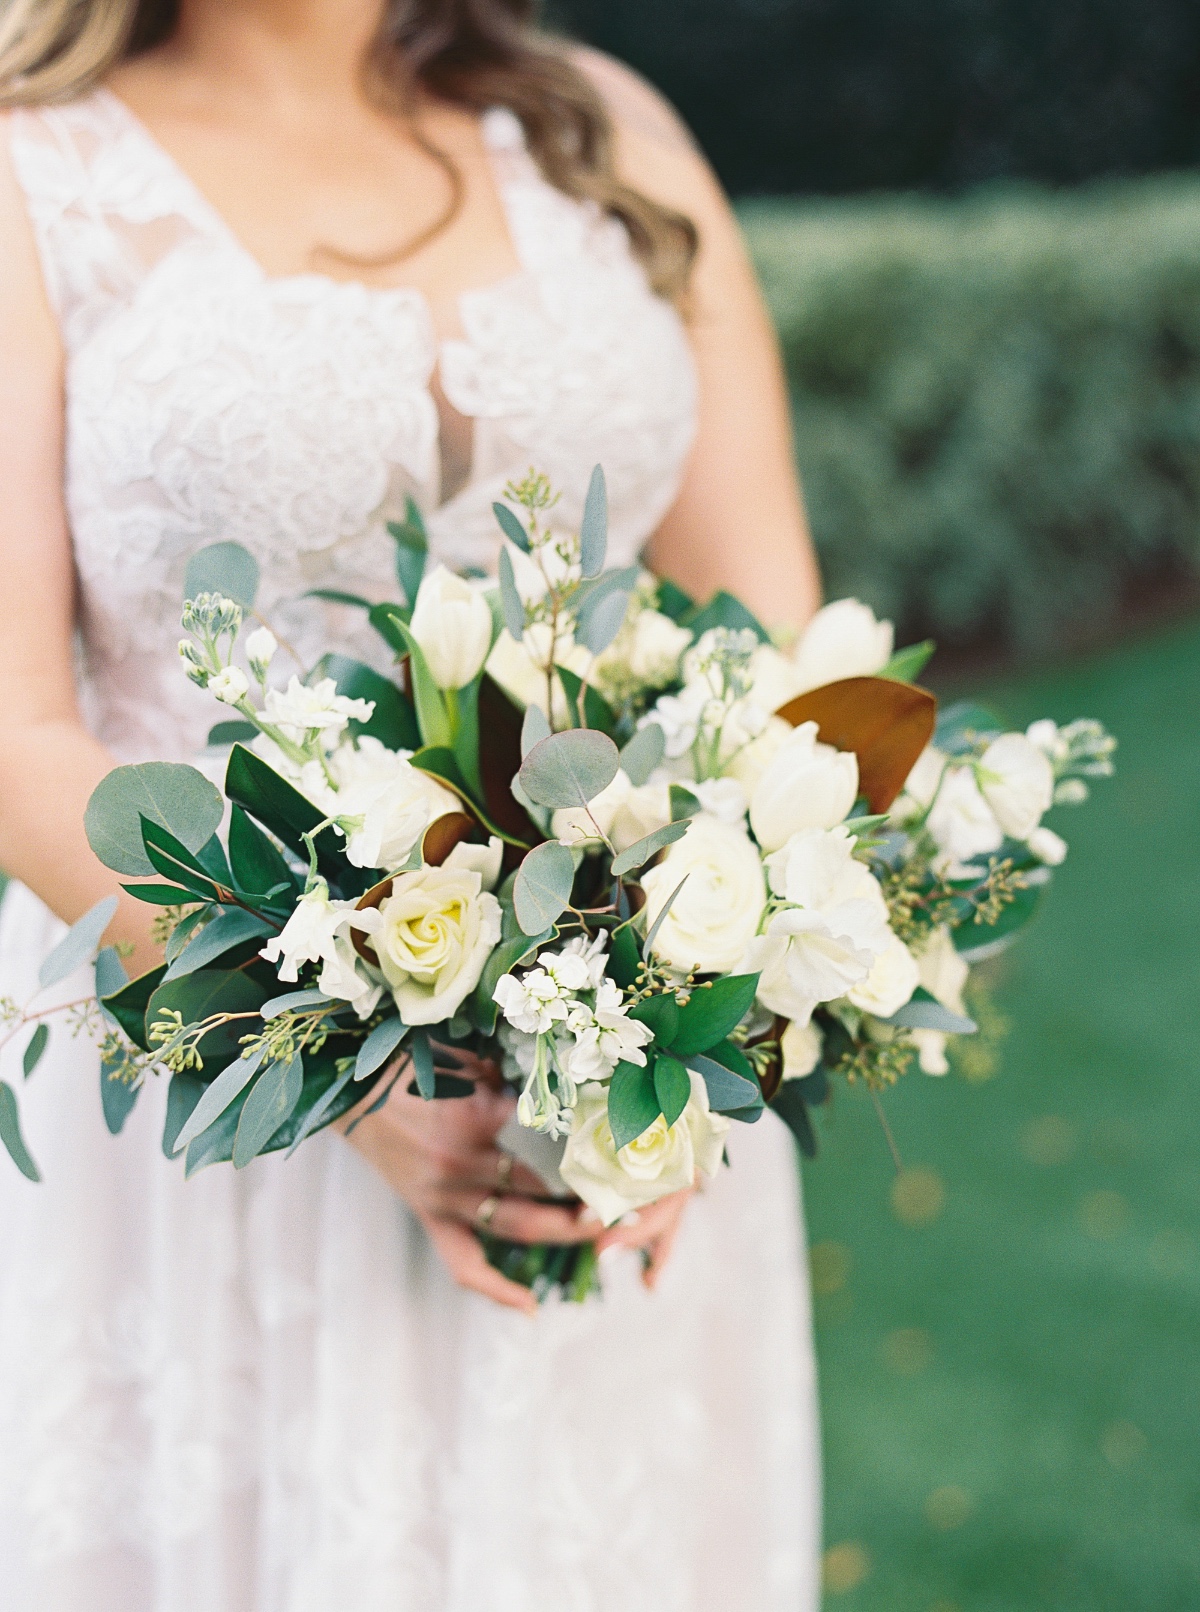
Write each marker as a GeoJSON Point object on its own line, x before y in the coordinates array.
{"type": "Point", "coordinates": [593, 532]}
{"type": "Point", "coordinates": [225, 568]}
{"type": "Point", "coordinates": [37, 1044]}
{"type": "Point", "coordinates": [78, 944]}
{"type": "Point", "coordinates": [543, 886]}
{"type": "Point", "coordinates": [174, 796]}
{"type": "Point", "coordinates": [393, 721]}
{"type": "Point", "coordinates": [643, 753]}
{"type": "Point", "coordinates": [272, 1099]}
{"type": "Point", "coordinates": [10, 1133]}
{"type": "Point", "coordinates": [378, 1047]}
{"type": "Point", "coordinates": [723, 610]}
{"type": "Point", "coordinates": [534, 728]}
{"type": "Point", "coordinates": [227, 930]}
{"type": "Point", "coordinates": [218, 1095]}
{"type": "Point", "coordinates": [672, 1087]}
{"type": "Point", "coordinates": [569, 769]}
{"type": "Point", "coordinates": [633, 1103]}
{"type": "Point", "coordinates": [683, 803]}
{"type": "Point", "coordinates": [412, 550]}
{"type": "Point", "coordinates": [511, 527]}
{"type": "Point", "coordinates": [511, 604]}
{"type": "Point", "coordinates": [886, 724]}
{"type": "Point", "coordinates": [638, 854]}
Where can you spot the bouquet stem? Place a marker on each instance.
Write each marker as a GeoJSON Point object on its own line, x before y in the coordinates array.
{"type": "Point", "coordinates": [569, 1269]}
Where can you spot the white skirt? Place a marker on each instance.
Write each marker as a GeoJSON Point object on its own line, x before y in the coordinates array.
{"type": "Point", "coordinates": [260, 1392]}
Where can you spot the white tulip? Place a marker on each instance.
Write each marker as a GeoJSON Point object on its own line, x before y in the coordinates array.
{"type": "Point", "coordinates": [716, 914]}
{"type": "Point", "coordinates": [1017, 781]}
{"type": "Point", "coordinates": [229, 685]}
{"type": "Point", "coordinates": [661, 1161]}
{"type": "Point", "coordinates": [452, 622]}
{"type": "Point", "coordinates": [432, 936]}
{"type": "Point", "coordinates": [893, 978]}
{"type": "Point", "coordinates": [805, 785]}
{"type": "Point", "coordinates": [842, 640]}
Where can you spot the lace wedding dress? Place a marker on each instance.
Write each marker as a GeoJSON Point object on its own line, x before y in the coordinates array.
{"type": "Point", "coordinates": [260, 1392]}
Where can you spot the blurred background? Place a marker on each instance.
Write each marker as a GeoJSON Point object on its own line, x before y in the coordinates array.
{"type": "Point", "coordinates": [978, 226]}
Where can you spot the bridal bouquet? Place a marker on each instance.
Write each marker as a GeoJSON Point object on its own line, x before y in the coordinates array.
{"type": "Point", "coordinates": [663, 871]}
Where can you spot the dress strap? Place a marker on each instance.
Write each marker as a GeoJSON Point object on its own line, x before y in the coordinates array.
{"type": "Point", "coordinates": [104, 205]}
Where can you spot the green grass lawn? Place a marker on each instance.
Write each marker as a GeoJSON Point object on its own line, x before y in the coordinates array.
{"type": "Point", "coordinates": [1010, 1338]}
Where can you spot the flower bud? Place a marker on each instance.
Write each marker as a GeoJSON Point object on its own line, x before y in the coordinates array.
{"type": "Point", "coordinates": [229, 685]}
{"type": "Point", "coordinates": [452, 622]}
{"type": "Point", "coordinates": [804, 785]}
{"type": "Point", "coordinates": [260, 650]}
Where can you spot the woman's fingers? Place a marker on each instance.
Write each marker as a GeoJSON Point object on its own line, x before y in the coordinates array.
{"type": "Point", "coordinates": [654, 1231]}
{"type": "Point", "coordinates": [520, 1220]}
{"type": "Point", "coordinates": [463, 1255]}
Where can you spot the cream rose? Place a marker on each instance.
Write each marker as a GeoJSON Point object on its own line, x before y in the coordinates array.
{"type": "Point", "coordinates": [804, 785]}
{"type": "Point", "coordinates": [432, 936]}
{"type": "Point", "coordinates": [890, 984]}
{"type": "Point", "coordinates": [661, 1161]}
{"type": "Point", "coordinates": [716, 914]}
{"type": "Point", "coordinates": [842, 640]}
{"type": "Point", "coordinates": [452, 622]}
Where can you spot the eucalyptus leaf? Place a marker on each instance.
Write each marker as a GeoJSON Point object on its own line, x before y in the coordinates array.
{"type": "Point", "coordinates": [118, 1096]}
{"type": "Point", "coordinates": [511, 604]}
{"type": "Point", "coordinates": [601, 618]}
{"type": "Point", "coordinates": [78, 944]}
{"type": "Point", "coordinates": [683, 803]}
{"type": "Point", "coordinates": [10, 1133]}
{"type": "Point", "coordinates": [569, 769]}
{"type": "Point", "coordinates": [593, 532]}
{"type": "Point", "coordinates": [925, 1012]}
{"type": "Point", "coordinates": [218, 1095]}
{"type": "Point", "coordinates": [271, 1101]}
{"type": "Point", "coordinates": [643, 753]}
{"type": "Point", "coordinates": [111, 974]}
{"type": "Point", "coordinates": [320, 1108]}
{"type": "Point", "coordinates": [534, 728]}
{"type": "Point", "coordinates": [663, 914]}
{"type": "Point", "coordinates": [225, 568]}
{"type": "Point", "coordinates": [638, 854]}
{"type": "Point", "coordinates": [183, 1093]}
{"type": "Point", "coordinates": [295, 999]}
{"type": "Point", "coordinates": [230, 929]}
{"type": "Point", "coordinates": [543, 886]}
{"type": "Point", "coordinates": [423, 1069]}
{"type": "Point", "coordinates": [223, 733]}
{"type": "Point", "coordinates": [176, 797]}
{"type": "Point", "coordinates": [511, 527]}
{"type": "Point", "coordinates": [379, 1046]}
{"type": "Point", "coordinates": [34, 1049]}
{"type": "Point", "coordinates": [727, 1092]}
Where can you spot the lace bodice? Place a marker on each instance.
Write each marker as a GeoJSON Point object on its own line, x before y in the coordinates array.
{"type": "Point", "coordinates": [207, 400]}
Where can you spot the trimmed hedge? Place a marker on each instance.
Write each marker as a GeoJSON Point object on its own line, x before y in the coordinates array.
{"type": "Point", "coordinates": [997, 399]}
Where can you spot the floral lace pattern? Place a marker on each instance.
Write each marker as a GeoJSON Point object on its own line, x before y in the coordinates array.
{"type": "Point", "coordinates": [259, 1391]}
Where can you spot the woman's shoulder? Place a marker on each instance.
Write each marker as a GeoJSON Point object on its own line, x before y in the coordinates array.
{"type": "Point", "coordinates": [26, 321]}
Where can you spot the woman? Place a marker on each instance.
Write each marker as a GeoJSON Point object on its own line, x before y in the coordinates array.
{"type": "Point", "coordinates": [268, 267]}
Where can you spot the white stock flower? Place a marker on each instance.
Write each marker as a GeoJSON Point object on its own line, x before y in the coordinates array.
{"type": "Point", "coordinates": [533, 1002]}
{"type": "Point", "coordinates": [716, 913]}
{"type": "Point", "coordinates": [893, 978]}
{"type": "Point", "coordinates": [805, 785]}
{"type": "Point", "coordinates": [644, 655]}
{"type": "Point", "coordinates": [827, 940]}
{"type": "Point", "coordinates": [229, 685]}
{"type": "Point", "coordinates": [680, 715]}
{"type": "Point", "coordinates": [300, 710]}
{"type": "Point", "coordinates": [432, 936]}
{"type": "Point", "coordinates": [842, 640]}
{"type": "Point", "coordinates": [318, 931]}
{"type": "Point", "coordinates": [452, 622]}
{"type": "Point", "coordinates": [1017, 781]}
{"type": "Point", "coordinates": [1048, 846]}
{"type": "Point", "coordinates": [943, 971]}
{"type": "Point", "coordinates": [961, 822]}
{"type": "Point", "coordinates": [661, 1161]}
{"type": "Point", "coordinates": [801, 1046]}
{"type": "Point", "coordinates": [722, 798]}
{"type": "Point", "coordinates": [605, 1037]}
{"type": "Point", "coordinates": [260, 650]}
{"type": "Point", "coordinates": [1049, 739]}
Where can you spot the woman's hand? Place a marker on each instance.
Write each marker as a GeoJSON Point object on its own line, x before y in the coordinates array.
{"type": "Point", "coordinates": [441, 1158]}
{"type": "Point", "coordinates": [653, 1231]}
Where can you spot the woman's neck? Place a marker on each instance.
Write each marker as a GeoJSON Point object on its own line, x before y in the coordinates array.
{"type": "Point", "coordinates": [279, 50]}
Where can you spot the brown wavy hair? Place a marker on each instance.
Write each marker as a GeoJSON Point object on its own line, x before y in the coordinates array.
{"type": "Point", "coordinates": [471, 53]}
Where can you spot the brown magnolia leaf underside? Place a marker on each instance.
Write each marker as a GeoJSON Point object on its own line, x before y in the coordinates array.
{"type": "Point", "coordinates": [885, 724]}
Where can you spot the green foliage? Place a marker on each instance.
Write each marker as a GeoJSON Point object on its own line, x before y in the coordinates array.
{"type": "Point", "coordinates": [167, 793]}
{"type": "Point", "coordinates": [997, 398]}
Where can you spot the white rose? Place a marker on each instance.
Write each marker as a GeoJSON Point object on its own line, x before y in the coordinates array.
{"type": "Point", "coordinates": [229, 685]}
{"type": "Point", "coordinates": [805, 785]}
{"type": "Point", "coordinates": [842, 640]}
{"type": "Point", "coordinates": [659, 1162]}
{"type": "Point", "coordinates": [716, 913]}
{"type": "Point", "coordinates": [432, 936]}
{"type": "Point", "coordinates": [828, 939]}
{"type": "Point", "coordinates": [893, 978]}
{"type": "Point", "coordinates": [383, 803]}
{"type": "Point", "coordinates": [486, 860]}
{"type": "Point", "coordinates": [801, 1046]}
{"type": "Point", "coordinates": [1017, 781]}
{"type": "Point", "coordinates": [452, 622]}
{"type": "Point", "coordinates": [1048, 846]}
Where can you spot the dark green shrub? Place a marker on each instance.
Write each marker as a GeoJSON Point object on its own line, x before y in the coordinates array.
{"type": "Point", "coordinates": [997, 400]}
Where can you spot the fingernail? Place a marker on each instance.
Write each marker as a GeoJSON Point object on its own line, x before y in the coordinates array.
{"type": "Point", "coordinates": [631, 1219]}
{"type": "Point", "coordinates": [589, 1217]}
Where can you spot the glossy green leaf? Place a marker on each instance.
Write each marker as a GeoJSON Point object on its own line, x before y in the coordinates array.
{"type": "Point", "coordinates": [176, 797]}
{"type": "Point", "coordinates": [207, 992]}
{"type": "Point", "coordinates": [569, 769]}
{"type": "Point", "coordinates": [791, 1107]}
{"type": "Point", "coordinates": [723, 610]}
{"type": "Point", "coordinates": [596, 709]}
{"type": "Point", "coordinates": [128, 1005]}
{"type": "Point", "coordinates": [673, 602]}
{"type": "Point", "coordinates": [977, 941]}
{"type": "Point", "coordinates": [543, 886]}
{"type": "Point", "coordinates": [312, 1119]}
{"type": "Point", "coordinates": [34, 1048]}
{"type": "Point", "coordinates": [643, 753]}
{"type": "Point", "coordinates": [284, 811]}
{"type": "Point", "coordinates": [661, 1013]}
{"type": "Point", "coordinates": [269, 1102]}
{"type": "Point", "coordinates": [393, 721]}
{"type": "Point", "coordinates": [683, 803]}
{"type": "Point", "coordinates": [633, 1103]}
{"type": "Point", "coordinates": [160, 895]}
{"type": "Point", "coordinates": [624, 957]}
{"type": "Point", "coordinates": [335, 596]}
{"type": "Point", "coordinates": [640, 852]}
{"type": "Point", "coordinates": [387, 620]}
{"type": "Point", "coordinates": [432, 717]}
{"type": "Point", "coordinates": [713, 1011]}
{"type": "Point", "coordinates": [663, 914]}
{"type": "Point", "coordinates": [963, 725]}
{"type": "Point", "coordinates": [172, 860]}
{"type": "Point", "coordinates": [906, 665]}
{"type": "Point", "coordinates": [225, 568]}
{"type": "Point", "coordinates": [10, 1133]}
{"type": "Point", "coordinates": [256, 863]}
{"type": "Point", "coordinates": [412, 550]}
{"type": "Point", "coordinates": [593, 531]}
{"type": "Point", "coordinates": [78, 944]}
{"type": "Point", "coordinates": [672, 1087]}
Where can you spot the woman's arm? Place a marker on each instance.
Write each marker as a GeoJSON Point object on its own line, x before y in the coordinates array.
{"type": "Point", "coordinates": [738, 522]}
